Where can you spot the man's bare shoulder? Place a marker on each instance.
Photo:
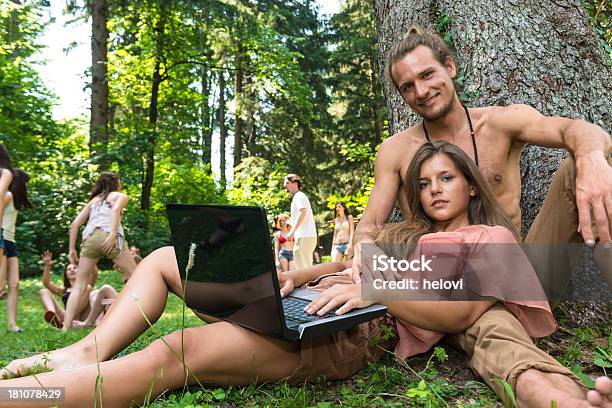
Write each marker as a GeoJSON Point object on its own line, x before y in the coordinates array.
{"type": "Point", "coordinates": [502, 115]}
{"type": "Point", "coordinates": [401, 141]}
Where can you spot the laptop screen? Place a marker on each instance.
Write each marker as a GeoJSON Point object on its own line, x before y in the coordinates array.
{"type": "Point", "coordinates": [232, 266]}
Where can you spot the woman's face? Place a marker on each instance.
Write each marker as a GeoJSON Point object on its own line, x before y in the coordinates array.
{"type": "Point", "coordinates": [71, 272]}
{"type": "Point", "coordinates": [445, 192]}
{"type": "Point", "coordinates": [339, 209]}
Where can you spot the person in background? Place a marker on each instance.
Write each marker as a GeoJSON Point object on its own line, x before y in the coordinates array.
{"type": "Point", "coordinates": [54, 311]}
{"type": "Point", "coordinates": [283, 247]}
{"type": "Point", "coordinates": [135, 251]}
{"type": "Point", "coordinates": [102, 237]}
{"type": "Point", "coordinates": [15, 200]}
{"type": "Point", "coordinates": [344, 230]}
{"type": "Point", "coordinates": [6, 177]}
{"type": "Point", "coordinates": [303, 227]}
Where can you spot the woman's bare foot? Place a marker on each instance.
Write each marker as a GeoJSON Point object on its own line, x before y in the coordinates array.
{"type": "Point", "coordinates": [601, 396]}
{"type": "Point", "coordinates": [78, 324]}
{"type": "Point", "coordinates": [73, 356]}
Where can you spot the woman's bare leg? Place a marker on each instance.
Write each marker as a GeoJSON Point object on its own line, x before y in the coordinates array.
{"type": "Point", "coordinates": [2, 273]}
{"type": "Point", "coordinates": [13, 291]}
{"type": "Point", "coordinates": [96, 297]}
{"type": "Point", "coordinates": [284, 264]}
{"type": "Point", "coordinates": [125, 262]}
{"type": "Point", "coordinates": [218, 353]}
{"type": "Point", "coordinates": [155, 276]}
{"type": "Point", "coordinates": [78, 299]}
{"type": "Point", "coordinates": [50, 303]}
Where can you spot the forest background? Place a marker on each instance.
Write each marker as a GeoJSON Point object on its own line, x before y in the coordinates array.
{"type": "Point", "coordinates": [295, 91]}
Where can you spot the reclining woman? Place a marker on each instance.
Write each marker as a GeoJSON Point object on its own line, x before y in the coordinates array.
{"type": "Point", "coordinates": [450, 198]}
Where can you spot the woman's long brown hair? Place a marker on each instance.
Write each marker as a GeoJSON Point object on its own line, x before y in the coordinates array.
{"type": "Point", "coordinates": [399, 239]}
{"type": "Point", "coordinates": [107, 182]}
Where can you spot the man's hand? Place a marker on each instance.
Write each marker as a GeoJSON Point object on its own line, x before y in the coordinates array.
{"type": "Point", "coordinates": [286, 284]}
{"type": "Point", "coordinates": [594, 196]}
{"type": "Point", "coordinates": [346, 297]}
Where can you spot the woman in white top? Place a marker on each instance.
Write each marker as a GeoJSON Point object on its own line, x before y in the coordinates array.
{"type": "Point", "coordinates": [6, 177]}
{"type": "Point", "coordinates": [103, 237]}
{"type": "Point", "coordinates": [344, 229]}
{"type": "Point", "coordinates": [15, 200]}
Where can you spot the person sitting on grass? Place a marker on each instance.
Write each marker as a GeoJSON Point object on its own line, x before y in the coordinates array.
{"type": "Point", "coordinates": [449, 201]}
{"type": "Point", "coordinates": [99, 299]}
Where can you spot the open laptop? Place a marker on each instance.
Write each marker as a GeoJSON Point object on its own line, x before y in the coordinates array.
{"type": "Point", "coordinates": [234, 278]}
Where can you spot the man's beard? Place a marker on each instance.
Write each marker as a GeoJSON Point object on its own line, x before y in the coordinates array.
{"type": "Point", "coordinates": [443, 112]}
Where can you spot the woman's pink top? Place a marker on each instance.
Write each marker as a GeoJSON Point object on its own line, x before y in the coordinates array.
{"type": "Point", "coordinates": [496, 271]}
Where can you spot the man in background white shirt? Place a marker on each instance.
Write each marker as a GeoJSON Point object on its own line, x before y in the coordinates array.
{"type": "Point", "coordinates": [303, 228]}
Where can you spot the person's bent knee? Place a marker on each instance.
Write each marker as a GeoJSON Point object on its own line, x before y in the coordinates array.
{"type": "Point", "coordinates": [166, 352]}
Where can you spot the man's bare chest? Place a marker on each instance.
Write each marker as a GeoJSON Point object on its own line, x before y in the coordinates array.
{"type": "Point", "coordinates": [496, 161]}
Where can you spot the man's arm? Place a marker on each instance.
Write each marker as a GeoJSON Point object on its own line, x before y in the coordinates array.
{"type": "Point", "coordinates": [588, 143]}
{"type": "Point", "coordinates": [381, 201]}
{"type": "Point", "coordinates": [298, 223]}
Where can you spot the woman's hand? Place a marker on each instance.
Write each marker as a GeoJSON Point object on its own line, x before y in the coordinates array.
{"type": "Point", "coordinates": [73, 256]}
{"type": "Point", "coordinates": [286, 284]}
{"type": "Point", "coordinates": [109, 244]}
{"type": "Point", "coordinates": [47, 258]}
{"type": "Point", "coordinates": [343, 297]}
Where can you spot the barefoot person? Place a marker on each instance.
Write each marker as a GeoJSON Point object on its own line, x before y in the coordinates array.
{"type": "Point", "coordinates": [452, 201]}
{"type": "Point", "coordinates": [6, 177]}
{"type": "Point", "coordinates": [422, 70]}
{"type": "Point", "coordinates": [102, 236]}
{"type": "Point", "coordinates": [54, 311]}
{"type": "Point", "coordinates": [15, 200]}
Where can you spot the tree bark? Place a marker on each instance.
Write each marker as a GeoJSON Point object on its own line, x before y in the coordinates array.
{"type": "Point", "coordinates": [238, 95]}
{"type": "Point", "coordinates": [222, 127]}
{"type": "Point", "coordinates": [512, 51]}
{"type": "Point", "coordinates": [98, 123]}
{"type": "Point", "coordinates": [156, 80]}
{"type": "Point", "coordinates": [205, 79]}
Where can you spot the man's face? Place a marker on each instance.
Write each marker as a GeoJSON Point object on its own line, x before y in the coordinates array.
{"type": "Point", "coordinates": [425, 84]}
{"type": "Point", "coordinates": [290, 186]}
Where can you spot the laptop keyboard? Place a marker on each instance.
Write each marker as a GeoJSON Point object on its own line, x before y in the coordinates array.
{"type": "Point", "coordinates": [294, 310]}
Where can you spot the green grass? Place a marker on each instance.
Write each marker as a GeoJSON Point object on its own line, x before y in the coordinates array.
{"type": "Point", "coordinates": [437, 379]}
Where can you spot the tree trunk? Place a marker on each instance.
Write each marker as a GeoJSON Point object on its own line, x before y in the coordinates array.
{"type": "Point", "coordinates": [205, 79]}
{"type": "Point", "coordinates": [512, 51]}
{"type": "Point", "coordinates": [98, 123]}
{"type": "Point", "coordinates": [222, 128]}
{"type": "Point", "coordinates": [374, 93]}
{"type": "Point", "coordinates": [156, 80]}
{"type": "Point", "coordinates": [251, 129]}
{"type": "Point", "coordinates": [238, 95]}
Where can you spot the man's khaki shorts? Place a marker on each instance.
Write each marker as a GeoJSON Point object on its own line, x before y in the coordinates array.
{"type": "Point", "coordinates": [91, 247]}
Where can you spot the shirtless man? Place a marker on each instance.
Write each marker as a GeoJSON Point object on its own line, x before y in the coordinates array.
{"type": "Point", "coordinates": [422, 70]}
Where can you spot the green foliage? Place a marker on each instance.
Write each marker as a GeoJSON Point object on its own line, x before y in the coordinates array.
{"type": "Point", "coordinates": [257, 182]}
{"type": "Point", "coordinates": [443, 24]}
{"type": "Point", "coordinates": [602, 357]}
{"type": "Point", "coordinates": [601, 21]}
